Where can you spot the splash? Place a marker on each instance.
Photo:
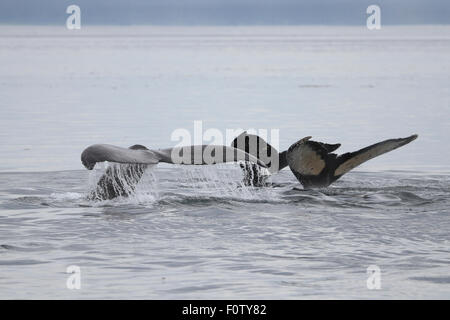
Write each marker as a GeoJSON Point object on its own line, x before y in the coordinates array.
{"type": "Point", "coordinates": [66, 196]}
{"type": "Point", "coordinates": [114, 180]}
{"type": "Point", "coordinates": [220, 181]}
{"type": "Point", "coordinates": [124, 183]}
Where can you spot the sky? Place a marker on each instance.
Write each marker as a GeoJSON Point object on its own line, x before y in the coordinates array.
{"type": "Point", "coordinates": [224, 12]}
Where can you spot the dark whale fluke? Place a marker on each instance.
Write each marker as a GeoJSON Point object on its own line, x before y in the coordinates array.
{"type": "Point", "coordinates": [259, 148]}
{"type": "Point", "coordinates": [314, 165]}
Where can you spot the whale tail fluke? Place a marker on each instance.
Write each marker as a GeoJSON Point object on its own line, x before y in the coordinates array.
{"type": "Point", "coordinates": [350, 160]}
{"type": "Point", "coordinates": [263, 151]}
{"type": "Point", "coordinates": [121, 180]}
{"type": "Point", "coordinates": [314, 165]}
{"type": "Point", "coordinates": [187, 155]}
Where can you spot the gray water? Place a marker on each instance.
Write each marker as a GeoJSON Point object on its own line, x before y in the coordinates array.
{"type": "Point", "coordinates": [197, 232]}
{"type": "Point", "coordinates": [209, 237]}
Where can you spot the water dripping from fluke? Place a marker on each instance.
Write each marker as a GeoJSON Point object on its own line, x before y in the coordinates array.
{"type": "Point", "coordinates": [220, 181]}
{"type": "Point", "coordinates": [116, 182]}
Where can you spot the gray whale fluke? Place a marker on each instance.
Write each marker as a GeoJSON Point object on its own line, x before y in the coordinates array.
{"type": "Point", "coordinates": [189, 155]}
{"type": "Point", "coordinates": [122, 180]}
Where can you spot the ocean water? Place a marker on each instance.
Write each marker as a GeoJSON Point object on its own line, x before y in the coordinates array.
{"type": "Point", "coordinates": [197, 232]}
